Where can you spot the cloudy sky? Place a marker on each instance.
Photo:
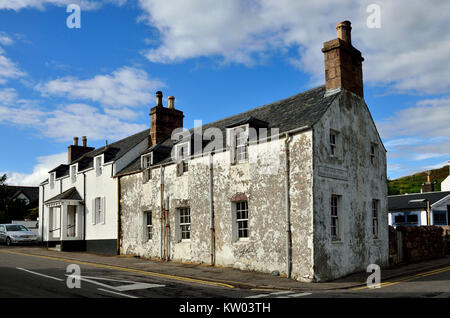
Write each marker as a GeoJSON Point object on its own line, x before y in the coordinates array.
{"type": "Point", "coordinates": [217, 58]}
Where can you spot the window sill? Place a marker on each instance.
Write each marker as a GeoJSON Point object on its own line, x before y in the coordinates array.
{"type": "Point", "coordinates": [242, 240]}
{"type": "Point", "coordinates": [337, 242]}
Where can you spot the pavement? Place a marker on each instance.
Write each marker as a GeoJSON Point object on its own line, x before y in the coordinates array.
{"type": "Point", "coordinates": [223, 276]}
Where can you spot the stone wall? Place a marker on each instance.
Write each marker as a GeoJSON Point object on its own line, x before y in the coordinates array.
{"type": "Point", "coordinates": [422, 242]}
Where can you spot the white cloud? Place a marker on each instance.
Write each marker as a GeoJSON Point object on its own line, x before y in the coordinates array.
{"type": "Point", "coordinates": [17, 5]}
{"type": "Point", "coordinates": [410, 51]}
{"type": "Point", "coordinates": [126, 86]}
{"type": "Point", "coordinates": [5, 39]}
{"type": "Point", "coordinates": [8, 69]}
{"type": "Point", "coordinates": [40, 170]}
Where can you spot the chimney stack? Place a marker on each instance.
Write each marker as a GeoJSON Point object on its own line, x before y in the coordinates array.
{"type": "Point", "coordinates": [75, 151]}
{"type": "Point", "coordinates": [171, 102]}
{"type": "Point", "coordinates": [428, 186]}
{"type": "Point", "coordinates": [163, 120]}
{"type": "Point", "coordinates": [343, 62]}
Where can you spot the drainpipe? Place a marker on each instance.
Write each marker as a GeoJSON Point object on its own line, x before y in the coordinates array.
{"type": "Point", "coordinates": [84, 208]}
{"type": "Point", "coordinates": [42, 216]}
{"type": "Point", "coordinates": [161, 186]}
{"type": "Point", "coordinates": [211, 210]}
{"type": "Point", "coordinates": [118, 217]}
{"type": "Point", "coordinates": [167, 229]}
{"type": "Point", "coordinates": [288, 207]}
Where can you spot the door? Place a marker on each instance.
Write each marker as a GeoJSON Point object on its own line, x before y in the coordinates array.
{"type": "Point", "coordinates": [71, 220]}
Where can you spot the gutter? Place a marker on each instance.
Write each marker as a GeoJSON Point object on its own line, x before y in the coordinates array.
{"type": "Point", "coordinates": [288, 207]}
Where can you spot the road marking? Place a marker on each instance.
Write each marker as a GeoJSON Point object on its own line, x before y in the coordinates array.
{"type": "Point", "coordinates": [282, 294]}
{"type": "Point", "coordinates": [36, 273]}
{"type": "Point", "coordinates": [116, 293]}
{"type": "Point", "coordinates": [125, 269]}
{"type": "Point", "coordinates": [300, 295]}
{"type": "Point", "coordinates": [409, 278]}
{"type": "Point", "coordinates": [130, 284]}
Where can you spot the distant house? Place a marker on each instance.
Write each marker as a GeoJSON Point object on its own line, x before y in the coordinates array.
{"type": "Point", "coordinates": [426, 208]}
{"type": "Point", "coordinates": [28, 195]}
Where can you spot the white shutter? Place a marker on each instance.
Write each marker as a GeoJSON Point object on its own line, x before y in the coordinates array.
{"type": "Point", "coordinates": [93, 212]}
{"type": "Point", "coordinates": [103, 214]}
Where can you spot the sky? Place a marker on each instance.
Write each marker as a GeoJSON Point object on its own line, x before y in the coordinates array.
{"type": "Point", "coordinates": [218, 58]}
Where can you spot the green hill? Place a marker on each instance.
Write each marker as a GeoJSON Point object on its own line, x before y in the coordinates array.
{"type": "Point", "coordinates": [413, 183]}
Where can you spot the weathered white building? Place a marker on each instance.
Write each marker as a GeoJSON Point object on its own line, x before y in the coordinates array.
{"type": "Point", "coordinates": [78, 203]}
{"type": "Point", "coordinates": [296, 187]}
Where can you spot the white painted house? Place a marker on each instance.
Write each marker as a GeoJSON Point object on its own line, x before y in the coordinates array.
{"type": "Point", "coordinates": [78, 203]}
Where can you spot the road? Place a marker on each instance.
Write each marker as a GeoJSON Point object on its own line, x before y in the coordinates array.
{"type": "Point", "coordinates": [27, 276]}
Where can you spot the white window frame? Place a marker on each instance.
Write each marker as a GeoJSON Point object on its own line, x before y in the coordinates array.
{"type": "Point", "coordinates": [98, 162]}
{"type": "Point", "coordinates": [237, 148]}
{"type": "Point", "coordinates": [240, 220]}
{"type": "Point", "coordinates": [333, 142]}
{"type": "Point", "coordinates": [73, 174]}
{"type": "Point", "coordinates": [335, 203]}
{"type": "Point", "coordinates": [147, 161]}
{"type": "Point", "coordinates": [184, 223]}
{"type": "Point", "coordinates": [99, 210]}
{"type": "Point", "coordinates": [148, 227]}
{"type": "Point", "coordinates": [183, 158]}
{"type": "Point", "coordinates": [375, 218]}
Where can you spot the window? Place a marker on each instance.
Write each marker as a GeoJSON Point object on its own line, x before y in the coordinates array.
{"type": "Point", "coordinates": [52, 180]}
{"type": "Point", "coordinates": [373, 148]}
{"type": "Point", "coordinates": [149, 225]}
{"type": "Point", "coordinates": [98, 166]}
{"type": "Point", "coordinates": [333, 138]}
{"type": "Point", "coordinates": [375, 218]}
{"type": "Point", "coordinates": [334, 217]}
{"type": "Point", "coordinates": [241, 146]}
{"type": "Point", "coordinates": [99, 211]}
{"type": "Point", "coordinates": [185, 223]}
{"type": "Point", "coordinates": [181, 156]}
{"type": "Point", "coordinates": [439, 218]}
{"type": "Point", "coordinates": [242, 219]}
{"type": "Point", "coordinates": [399, 219]}
{"type": "Point", "coordinates": [147, 161]}
{"type": "Point", "coordinates": [73, 173]}
{"type": "Point", "coordinates": [412, 219]}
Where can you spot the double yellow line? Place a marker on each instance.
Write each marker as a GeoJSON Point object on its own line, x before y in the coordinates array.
{"type": "Point", "coordinates": [409, 278]}
{"type": "Point", "coordinates": [125, 269]}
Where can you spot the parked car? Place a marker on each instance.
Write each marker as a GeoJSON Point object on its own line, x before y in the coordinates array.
{"type": "Point", "coordinates": [16, 233]}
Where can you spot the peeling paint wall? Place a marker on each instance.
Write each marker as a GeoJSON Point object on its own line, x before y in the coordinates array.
{"type": "Point", "coordinates": [265, 249]}
{"type": "Point", "coordinates": [351, 176]}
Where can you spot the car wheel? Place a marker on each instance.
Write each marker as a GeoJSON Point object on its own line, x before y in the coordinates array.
{"type": "Point", "coordinates": [8, 241]}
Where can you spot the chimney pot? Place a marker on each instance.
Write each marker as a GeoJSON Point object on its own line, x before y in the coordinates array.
{"type": "Point", "coordinates": [75, 141]}
{"type": "Point", "coordinates": [84, 141]}
{"type": "Point", "coordinates": [172, 102]}
{"type": "Point", "coordinates": [344, 31]}
{"type": "Point", "coordinates": [159, 96]}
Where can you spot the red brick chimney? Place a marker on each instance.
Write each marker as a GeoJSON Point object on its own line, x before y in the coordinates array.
{"type": "Point", "coordinates": [164, 120]}
{"type": "Point", "coordinates": [74, 151]}
{"type": "Point", "coordinates": [343, 63]}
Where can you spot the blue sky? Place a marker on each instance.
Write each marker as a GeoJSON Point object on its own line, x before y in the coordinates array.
{"type": "Point", "coordinates": [217, 58]}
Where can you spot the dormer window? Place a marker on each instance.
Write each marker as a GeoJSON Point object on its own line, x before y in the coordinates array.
{"type": "Point", "coordinates": [52, 180]}
{"type": "Point", "coordinates": [73, 173]}
{"type": "Point", "coordinates": [98, 166]}
{"type": "Point", "coordinates": [146, 162]}
{"type": "Point", "coordinates": [182, 153]}
{"type": "Point", "coordinates": [238, 142]}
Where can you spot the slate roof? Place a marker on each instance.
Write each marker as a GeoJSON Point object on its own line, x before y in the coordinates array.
{"type": "Point", "coordinates": [112, 152]}
{"type": "Point", "coordinates": [32, 193]}
{"type": "Point", "coordinates": [400, 202]}
{"type": "Point", "coordinates": [70, 194]}
{"type": "Point", "coordinates": [299, 110]}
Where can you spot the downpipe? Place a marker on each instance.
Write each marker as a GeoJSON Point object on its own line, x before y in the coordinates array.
{"type": "Point", "coordinates": [211, 210]}
{"type": "Point", "coordinates": [161, 188]}
{"type": "Point", "coordinates": [288, 207]}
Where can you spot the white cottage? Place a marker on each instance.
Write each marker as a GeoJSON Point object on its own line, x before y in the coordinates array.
{"type": "Point", "coordinates": [297, 186]}
{"type": "Point", "coordinates": [78, 203]}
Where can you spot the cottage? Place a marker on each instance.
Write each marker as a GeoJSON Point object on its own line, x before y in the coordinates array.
{"type": "Point", "coordinates": [297, 186]}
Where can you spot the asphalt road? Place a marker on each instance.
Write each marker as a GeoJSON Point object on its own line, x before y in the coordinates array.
{"type": "Point", "coordinates": [29, 277]}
